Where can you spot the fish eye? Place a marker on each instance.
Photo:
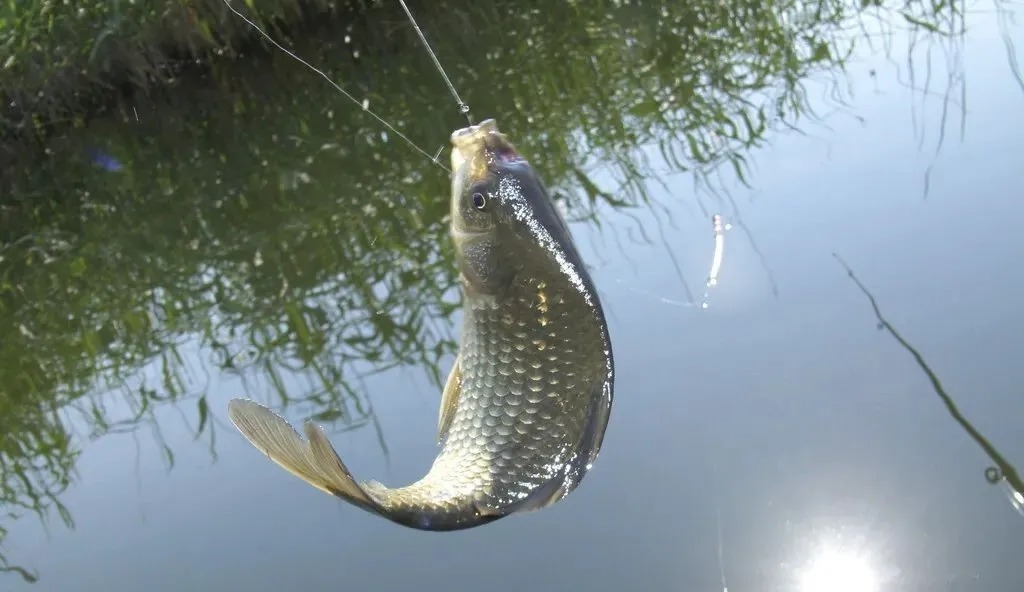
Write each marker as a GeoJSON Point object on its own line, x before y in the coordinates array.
{"type": "Point", "coordinates": [479, 201]}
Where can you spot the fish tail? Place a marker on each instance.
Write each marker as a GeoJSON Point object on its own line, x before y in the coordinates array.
{"type": "Point", "coordinates": [313, 460]}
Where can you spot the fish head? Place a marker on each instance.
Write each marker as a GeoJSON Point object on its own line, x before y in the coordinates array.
{"type": "Point", "coordinates": [502, 218]}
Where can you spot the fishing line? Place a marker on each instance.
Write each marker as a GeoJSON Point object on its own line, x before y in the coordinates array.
{"type": "Point", "coordinates": [463, 107]}
{"type": "Point", "coordinates": [362, 105]}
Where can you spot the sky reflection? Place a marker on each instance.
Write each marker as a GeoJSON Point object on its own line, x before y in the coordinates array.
{"type": "Point", "coordinates": [835, 569]}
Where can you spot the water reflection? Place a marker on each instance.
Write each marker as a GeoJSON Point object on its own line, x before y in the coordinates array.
{"type": "Point", "coordinates": [246, 225]}
{"type": "Point", "coordinates": [36, 462]}
{"type": "Point", "coordinates": [838, 570]}
{"type": "Point", "coordinates": [1003, 472]}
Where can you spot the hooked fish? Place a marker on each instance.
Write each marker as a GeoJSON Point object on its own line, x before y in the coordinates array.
{"type": "Point", "coordinates": [524, 409]}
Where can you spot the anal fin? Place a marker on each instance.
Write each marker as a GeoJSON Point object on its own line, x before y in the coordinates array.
{"type": "Point", "coordinates": [449, 400]}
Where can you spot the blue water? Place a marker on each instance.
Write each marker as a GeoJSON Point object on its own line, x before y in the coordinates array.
{"type": "Point", "coordinates": [776, 437]}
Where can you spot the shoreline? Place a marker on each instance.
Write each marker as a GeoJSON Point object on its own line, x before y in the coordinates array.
{"type": "Point", "coordinates": [86, 59]}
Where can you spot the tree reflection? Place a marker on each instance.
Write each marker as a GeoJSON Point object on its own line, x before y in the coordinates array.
{"type": "Point", "coordinates": [246, 223]}
{"type": "Point", "coordinates": [1003, 471]}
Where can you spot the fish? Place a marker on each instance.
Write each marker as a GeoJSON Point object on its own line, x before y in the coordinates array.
{"type": "Point", "coordinates": [525, 407]}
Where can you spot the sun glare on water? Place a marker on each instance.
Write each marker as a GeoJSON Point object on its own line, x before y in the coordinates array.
{"type": "Point", "coordinates": [838, 571]}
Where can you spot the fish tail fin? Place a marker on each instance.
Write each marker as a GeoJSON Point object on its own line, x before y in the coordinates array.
{"type": "Point", "coordinates": [314, 460]}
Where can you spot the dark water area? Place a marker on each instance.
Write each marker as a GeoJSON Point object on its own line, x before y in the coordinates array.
{"type": "Point", "coordinates": [249, 232]}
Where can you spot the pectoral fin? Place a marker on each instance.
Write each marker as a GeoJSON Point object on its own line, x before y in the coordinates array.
{"type": "Point", "coordinates": [315, 461]}
{"type": "Point", "coordinates": [544, 495]}
{"type": "Point", "coordinates": [593, 434]}
{"type": "Point", "coordinates": [449, 400]}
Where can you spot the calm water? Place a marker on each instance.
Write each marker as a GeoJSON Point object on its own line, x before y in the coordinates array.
{"type": "Point", "coordinates": [253, 234]}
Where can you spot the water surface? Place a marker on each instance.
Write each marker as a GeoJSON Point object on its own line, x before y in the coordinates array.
{"type": "Point", "coordinates": [250, 233]}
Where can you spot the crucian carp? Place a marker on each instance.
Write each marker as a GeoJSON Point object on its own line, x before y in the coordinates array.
{"type": "Point", "coordinates": [524, 410]}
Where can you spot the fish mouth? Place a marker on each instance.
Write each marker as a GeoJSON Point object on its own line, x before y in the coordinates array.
{"type": "Point", "coordinates": [480, 147]}
{"type": "Point", "coordinates": [471, 137]}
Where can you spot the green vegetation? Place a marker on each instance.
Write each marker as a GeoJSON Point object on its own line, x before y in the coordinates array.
{"type": "Point", "coordinates": [62, 60]}
{"type": "Point", "coordinates": [260, 227]}
{"type": "Point", "coordinates": [56, 56]}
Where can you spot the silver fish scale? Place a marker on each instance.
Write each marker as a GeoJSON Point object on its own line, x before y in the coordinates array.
{"type": "Point", "coordinates": [529, 363]}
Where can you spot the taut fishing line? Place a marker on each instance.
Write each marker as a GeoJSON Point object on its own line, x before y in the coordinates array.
{"type": "Point", "coordinates": [719, 228]}
{"type": "Point", "coordinates": [463, 107]}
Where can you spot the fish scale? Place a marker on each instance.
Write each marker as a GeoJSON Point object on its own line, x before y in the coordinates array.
{"type": "Point", "coordinates": [515, 403]}
{"type": "Point", "coordinates": [526, 405]}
